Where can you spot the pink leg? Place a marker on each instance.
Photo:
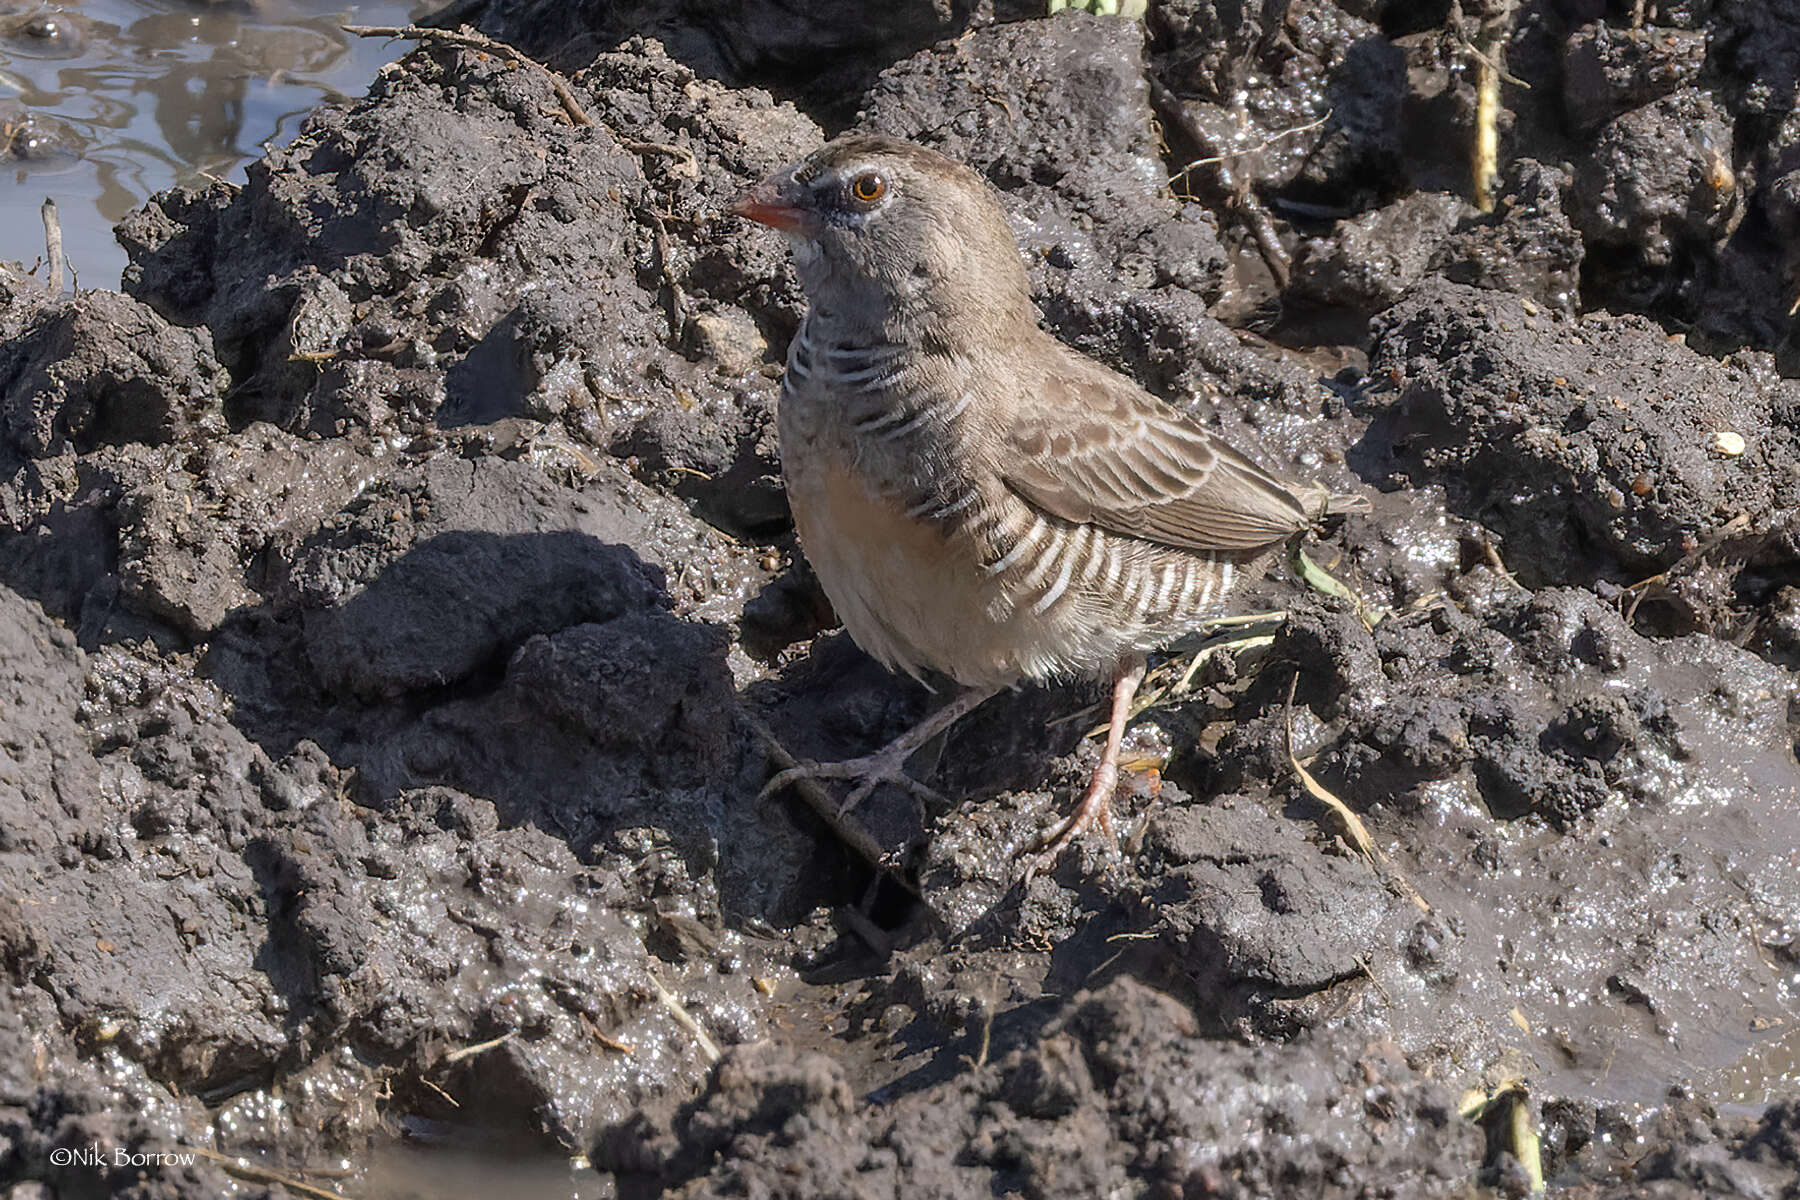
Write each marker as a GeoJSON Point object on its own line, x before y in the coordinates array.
{"type": "Point", "coordinates": [1096, 802]}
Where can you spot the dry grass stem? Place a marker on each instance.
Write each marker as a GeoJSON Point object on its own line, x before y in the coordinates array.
{"type": "Point", "coordinates": [53, 247]}
{"type": "Point", "coordinates": [709, 1049]}
{"type": "Point", "coordinates": [1354, 829]}
{"type": "Point", "coordinates": [249, 1172]}
{"type": "Point", "coordinates": [456, 1056]}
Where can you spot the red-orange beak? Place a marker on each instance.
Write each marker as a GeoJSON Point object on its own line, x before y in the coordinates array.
{"type": "Point", "coordinates": [776, 202]}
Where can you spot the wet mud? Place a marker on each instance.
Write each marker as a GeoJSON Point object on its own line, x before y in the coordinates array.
{"type": "Point", "coordinates": [399, 614]}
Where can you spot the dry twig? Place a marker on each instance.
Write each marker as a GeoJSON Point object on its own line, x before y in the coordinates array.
{"type": "Point", "coordinates": [1488, 48]}
{"type": "Point", "coordinates": [1230, 191]}
{"type": "Point", "coordinates": [53, 247]}
{"type": "Point", "coordinates": [1694, 557]}
{"type": "Point", "coordinates": [666, 265]}
{"type": "Point", "coordinates": [709, 1049]}
{"type": "Point", "coordinates": [1172, 682]}
{"type": "Point", "coordinates": [847, 828]}
{"type": "Point", "coordinates": [249, 1172]}
{"type": "Point", "coordinates": [1226, 156]}
{"type": "Point", "coordinates": [1354, 828]}
{"type": "Point", "coordinates": [456, 1056]}
{"type": "Point", "coordinates": [471, 40]}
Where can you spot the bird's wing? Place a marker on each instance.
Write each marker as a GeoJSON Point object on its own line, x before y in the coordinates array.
{"type": "Point", "coordinates": [1097, 450]}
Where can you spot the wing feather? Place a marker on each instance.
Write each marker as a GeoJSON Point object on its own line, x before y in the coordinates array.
{"type": "Point", "coordinates": [1100, 451]}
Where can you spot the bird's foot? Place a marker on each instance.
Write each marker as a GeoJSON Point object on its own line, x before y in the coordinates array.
{"type": "Point", "coordinates": [887, 765]}
{"type": "Point", "coordinates": [1094, 809]}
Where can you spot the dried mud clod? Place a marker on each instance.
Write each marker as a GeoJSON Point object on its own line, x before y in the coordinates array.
{"type": "Point", "coordinates": [1593, 449]}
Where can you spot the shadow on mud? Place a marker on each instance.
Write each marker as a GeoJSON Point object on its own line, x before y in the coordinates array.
{"type": "Point", "coordinates": [541, 672]}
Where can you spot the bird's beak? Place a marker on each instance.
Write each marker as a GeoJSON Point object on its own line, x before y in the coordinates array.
{"type": "Point", "coordinates": [777, 202]}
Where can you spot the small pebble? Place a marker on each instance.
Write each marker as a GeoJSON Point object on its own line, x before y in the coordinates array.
{"type": "Point", "coordinates": [1730, 444]}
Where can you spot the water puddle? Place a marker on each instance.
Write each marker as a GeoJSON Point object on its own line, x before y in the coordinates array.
{"type": "Point", "coordinates": [1767, 1074]}
{"type": "Point", "coordinates": [106, 102]}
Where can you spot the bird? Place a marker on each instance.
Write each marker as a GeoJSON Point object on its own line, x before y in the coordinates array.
{"type": "Point", "coordinates": [978, 499]}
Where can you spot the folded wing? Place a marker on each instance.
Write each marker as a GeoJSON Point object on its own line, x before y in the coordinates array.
{"type": "Point", "coordinates": [1100, 451]}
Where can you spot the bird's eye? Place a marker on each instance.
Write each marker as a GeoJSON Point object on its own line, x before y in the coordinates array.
{"type": "Point", "coordinates": [868, 187]}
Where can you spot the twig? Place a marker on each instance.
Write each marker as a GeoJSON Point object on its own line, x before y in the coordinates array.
{"type": "Point", "coordinates": [1494, 561]}
{"type": "Point", "coordinates": [1231, 192]}
{"type": "Point", "coordinates": [1227, 155]}
{"type": "Point", "coordinates": [611, 1043]}
{"type": "Point", "coordinates": [1642, 587]}
{"type": "Point", "coordinates": [1205, 654]}
{"type": "Point", "coordinates": [709, 1049]}
{"type": "Point", "coordinates": [690, 166]}
{"type": "Point", "coordinates": [1487, 48]}
{"type": "Point", "coordinates": [1159, 695]}
{"type": "Point", "coordinates": [249, 1172]}
{"type": "Point", "coordinates": [1261, 225]}
{"type": "Point", "coordinates": [847, 828]}
{"type": "Point", "coordinates": [987, 1036]}
{"type": "Point", "coordinates": [665, 264]}
{"type": "Point", "coordinates": [989, 999]}
{"type": "Point", "coordinates": [1487, 132]}
{"type": "Point", "coordinates": [1506, 76]}
{"type": "Point", "coordinates": [456, 1056]}
{"type": "Point", "coordinates": [1353, 825]}
{"type": "Point", "coordinates": [453, 1101]}
{"type": "Point", "coordinates": [469, 39]}
{"type": "Point", "coordinates": [1366, 963]}
{"type": "Point", "coordinates": [53, 247]}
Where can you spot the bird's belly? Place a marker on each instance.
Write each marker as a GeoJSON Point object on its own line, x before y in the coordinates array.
{"type": "Point", "coordinates": [909, 594]}
{"type": "Point", "coordinates": [916, 596]}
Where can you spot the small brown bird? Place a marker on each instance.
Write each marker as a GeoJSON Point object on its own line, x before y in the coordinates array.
{"type": "Point", "coordinates": [977, 498]}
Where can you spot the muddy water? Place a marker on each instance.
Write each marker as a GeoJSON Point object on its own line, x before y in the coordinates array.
{"type": "Point", "coordinates": [106, 102]}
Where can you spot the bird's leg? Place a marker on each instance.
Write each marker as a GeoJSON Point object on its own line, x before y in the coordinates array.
{"type": "Point", "coordinates": [888, 764]}
{"type": "Point", "coordinates": [1096, 802]}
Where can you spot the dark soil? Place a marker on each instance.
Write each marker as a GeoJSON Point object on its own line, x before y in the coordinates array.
{"type": "Point", "coordinates": [396, 590]}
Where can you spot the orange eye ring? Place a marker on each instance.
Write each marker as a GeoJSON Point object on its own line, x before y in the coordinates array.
{"type": "Point", "coordinates": [868, 187]}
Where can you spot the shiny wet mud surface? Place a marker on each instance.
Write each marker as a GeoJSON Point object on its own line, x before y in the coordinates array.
{"type": "Point", "coordinates": [397, 601]}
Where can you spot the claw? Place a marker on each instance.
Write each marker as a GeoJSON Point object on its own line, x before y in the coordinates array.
{"type": "Point", "coordinates": [866, 788]}
{"type": "Point", "coordinates": [1095, 809]}
{"type": "Point", "coordinates": [886, 765]}
{"type": "Point", "coordinates": [1096, 803]}
{"type": "Point", "coordinates": [782, 780]}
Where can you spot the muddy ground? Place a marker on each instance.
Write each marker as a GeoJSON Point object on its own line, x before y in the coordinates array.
{"type": "Point", "coordinates": [396, 591]}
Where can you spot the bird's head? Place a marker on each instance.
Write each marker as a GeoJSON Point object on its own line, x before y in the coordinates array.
{"type": "Point", "coordinates": [885, 232]}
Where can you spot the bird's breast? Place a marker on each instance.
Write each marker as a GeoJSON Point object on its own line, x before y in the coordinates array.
{"type": "Point", "coordinates": [906, 590]}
